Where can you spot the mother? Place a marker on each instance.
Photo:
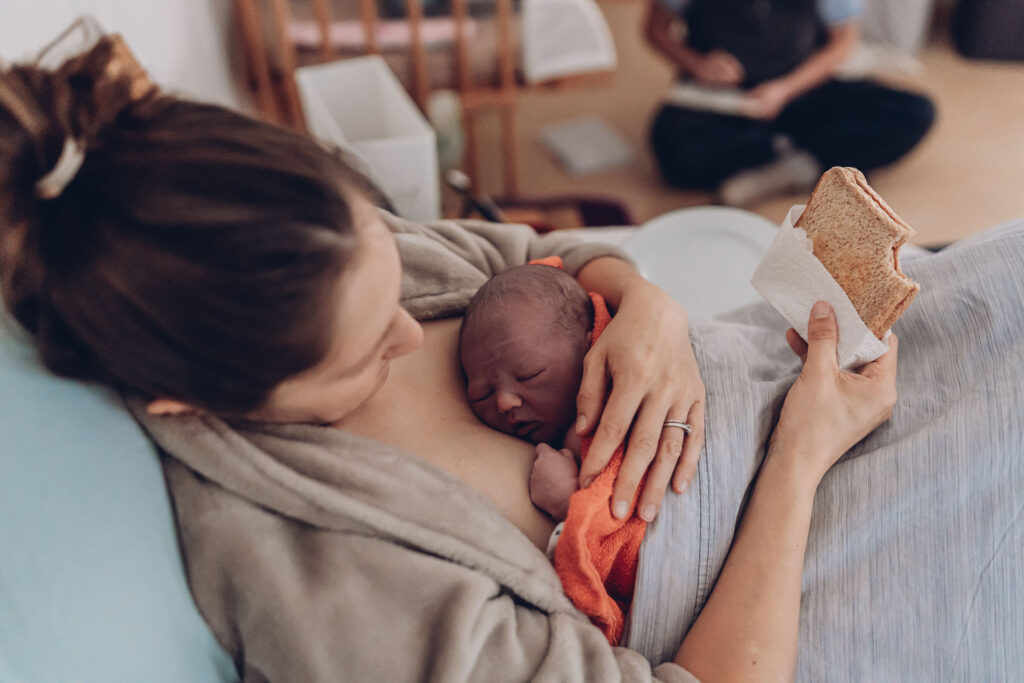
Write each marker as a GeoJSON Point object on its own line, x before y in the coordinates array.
{"type": "Point", "coordinates": [232, 276]}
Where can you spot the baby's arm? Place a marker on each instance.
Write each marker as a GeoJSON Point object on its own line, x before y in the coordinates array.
{"type": "Point", "coordinates": [554, 478]}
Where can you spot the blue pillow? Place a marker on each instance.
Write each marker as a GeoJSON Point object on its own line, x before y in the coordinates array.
{"type": "Point", "coordinates": [91, 584]}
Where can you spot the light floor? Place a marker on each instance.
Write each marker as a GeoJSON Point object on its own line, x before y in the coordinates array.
{"type": "Point", "coordinates": [966, 175]}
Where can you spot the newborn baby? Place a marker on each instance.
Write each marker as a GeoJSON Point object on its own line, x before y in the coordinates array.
{"type": "Point", "coordinates": [522, 344]}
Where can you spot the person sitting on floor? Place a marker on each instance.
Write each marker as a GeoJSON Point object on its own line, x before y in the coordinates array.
{"type": "Point", "coordinates": [793, 118]}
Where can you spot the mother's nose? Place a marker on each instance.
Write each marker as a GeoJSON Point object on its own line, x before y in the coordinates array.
{"type": "Point", "coordinates": [406, 336]}
{"type": "Point", "coordinates": [507, 400]}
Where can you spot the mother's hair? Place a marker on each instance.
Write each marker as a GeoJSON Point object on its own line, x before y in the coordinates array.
{"type": "Point", "coordinates": [195, 254]}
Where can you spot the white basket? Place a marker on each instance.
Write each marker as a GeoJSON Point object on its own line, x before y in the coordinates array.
{"type": "Point", "coordinates": [564, 38]}
{"type": "Point", "coordinates": [358, 104]}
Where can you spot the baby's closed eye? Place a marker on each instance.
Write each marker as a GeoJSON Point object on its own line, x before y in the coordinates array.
{"type": "Point", "coordinates": [480, 395]}
{"type": "Point", "coordinates": [527, 376]}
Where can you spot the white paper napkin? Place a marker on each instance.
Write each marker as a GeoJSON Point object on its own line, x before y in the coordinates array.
{"type": "Point", "coordinates": [791, 278]}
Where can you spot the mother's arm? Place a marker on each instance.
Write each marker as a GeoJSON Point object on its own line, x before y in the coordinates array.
{"type": "Point", "coordinates": [748, 630]}
{"type": "Point", "coordinates": [445, 262]}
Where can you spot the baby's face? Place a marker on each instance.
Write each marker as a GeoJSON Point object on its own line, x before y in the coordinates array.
{"type": "Point", "coordinates": [523, 374]}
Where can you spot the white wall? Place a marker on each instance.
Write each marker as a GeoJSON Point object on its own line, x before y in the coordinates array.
{"type": "Point", "coordinates": [903, 24]}
{"type": "Point", "coordinates": [188, 46]}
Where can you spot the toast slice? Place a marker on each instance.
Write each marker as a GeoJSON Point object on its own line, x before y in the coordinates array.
{"type": "Point", "coordinates": [856, 237]}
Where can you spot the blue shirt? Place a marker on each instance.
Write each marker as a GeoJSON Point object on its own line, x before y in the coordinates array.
{"type": "Point", "coordinates": [830, 11]}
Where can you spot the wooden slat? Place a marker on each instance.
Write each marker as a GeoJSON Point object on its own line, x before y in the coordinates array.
{"type": "Point", "coordinates": [293, 109]}
{"type": "Point", "coordinates": [469, 154]}
{"type": "Point", "coordinates": [507, 83]}
{"type": "Point", "coordinates": [506, 58]}
{"type": "Point", "coordinates": [462, 76]}
{"type": "Point", "coordinates": [464, 83]}
{"type": "Point", "coordinates": [510, 152]}
{"type": "Point", "coordinates": [420, 78]}
{"type": "Point", "coordinates": [368, 13]}
{"type": "Point", "coordinates": [256, 54]}
{"type": "Point", "coordinates": [322, 12]}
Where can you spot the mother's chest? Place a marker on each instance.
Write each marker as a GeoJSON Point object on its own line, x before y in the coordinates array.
{"type": "Point", "coordinates": [422, 409]}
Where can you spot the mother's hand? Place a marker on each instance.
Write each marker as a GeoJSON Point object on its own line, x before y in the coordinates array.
{"type": "Point", "coordinates": [827, 410]}
{"type": "Point", "coordinates": [646, 356]}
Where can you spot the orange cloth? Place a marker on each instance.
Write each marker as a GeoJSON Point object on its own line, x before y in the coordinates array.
{"type": "Point", "coordinates": [553, 261]}
{"type": "Point", "coordinates": [596, 556]}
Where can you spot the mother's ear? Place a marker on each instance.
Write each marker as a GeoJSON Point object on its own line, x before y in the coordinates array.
{"type": "Point", "coordinates": [166, 406]}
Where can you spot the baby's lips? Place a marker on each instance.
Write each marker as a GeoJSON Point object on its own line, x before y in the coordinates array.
{"type": "Point", "coordinates": [523, 430]}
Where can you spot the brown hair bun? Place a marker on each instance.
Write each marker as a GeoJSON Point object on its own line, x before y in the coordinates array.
{"type": "Point", "coordinates": [40, 111]}
{"type": "Point", "coordinates": [196, 253]}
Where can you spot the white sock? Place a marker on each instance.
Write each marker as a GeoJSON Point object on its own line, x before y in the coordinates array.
{"type": "Point", "coordinates": [793, 171]}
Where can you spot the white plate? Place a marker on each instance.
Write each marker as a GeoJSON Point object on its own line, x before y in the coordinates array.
{"type": "Point", "coordinates": [703, 256]}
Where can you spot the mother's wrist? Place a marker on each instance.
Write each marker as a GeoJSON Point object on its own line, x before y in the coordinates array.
{"type": "Point", "coordinates": [796, 463]}
{"type": "Point", "coordinates": [645, 291]}
{"type": "Point", "coordinates": [636, 282]}
{"type": "Point", "coordinates": [608, 276]}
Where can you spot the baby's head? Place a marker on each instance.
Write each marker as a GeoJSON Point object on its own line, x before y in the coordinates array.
{"type": "Point", "coordinates": [521, 346]}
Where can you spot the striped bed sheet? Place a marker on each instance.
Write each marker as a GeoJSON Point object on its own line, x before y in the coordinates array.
{"type": "Point", "coordinates": [915, 562]}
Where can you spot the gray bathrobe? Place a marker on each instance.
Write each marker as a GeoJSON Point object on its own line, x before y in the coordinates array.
{"type": "Point", "coordinates": [317, 555]}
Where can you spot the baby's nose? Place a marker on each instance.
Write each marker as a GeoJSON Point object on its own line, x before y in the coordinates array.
{"type": "Point", "coordinates": [507, 400]}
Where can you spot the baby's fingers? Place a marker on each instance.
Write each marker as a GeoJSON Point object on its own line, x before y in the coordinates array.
{"type": "Point", "coordinates": [544, 449]}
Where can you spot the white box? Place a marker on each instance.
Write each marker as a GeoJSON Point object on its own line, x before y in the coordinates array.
{"type": "Point", "coordinates": [359, 105]}
{"type": "Point", "coordinates": [564, 38]}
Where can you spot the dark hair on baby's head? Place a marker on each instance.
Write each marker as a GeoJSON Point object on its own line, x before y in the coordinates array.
{"type": "Point", "coordinates": [543, 287]}
{"type": "Point", "coordinates": [193, 256]}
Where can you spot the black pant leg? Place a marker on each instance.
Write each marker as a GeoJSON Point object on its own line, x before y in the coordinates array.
{"type": "Point", "coordinates": [699, 149]}
{"type": "Point", "coordinates": [857, 123]}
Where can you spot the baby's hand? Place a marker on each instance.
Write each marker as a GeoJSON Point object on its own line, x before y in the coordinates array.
{"type": "Point", "coordinates": [554, 478]}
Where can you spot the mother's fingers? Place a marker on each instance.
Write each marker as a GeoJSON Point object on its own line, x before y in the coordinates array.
{"type": "Point", "coordinates": [885, 365]}
{"type": "Point", "coordinates": [660, 473]}
{"type": "Point", "coordinates": [692, 446]}
{"type": "Point", "coordinates": [593, 389]}
{"type": "Point", "coordinates": [797, 343]}
{"type": "Point", "coordinates": [822, 338]}
{"type": "Point", "coordinates": [646, 443]}
{"type": "Point", "coordinates": [614, 424]}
